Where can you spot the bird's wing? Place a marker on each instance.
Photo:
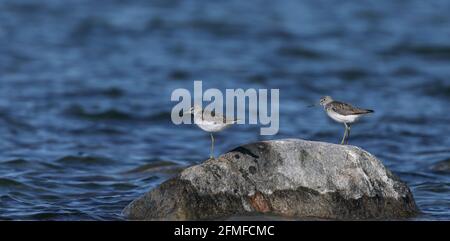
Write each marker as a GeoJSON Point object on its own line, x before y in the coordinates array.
{"type": "Point", "coordinates": [347, 109]}
{"type": "Point", "coordinates": [216, 118]}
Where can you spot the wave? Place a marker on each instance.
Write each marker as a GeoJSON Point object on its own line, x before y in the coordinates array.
{"type": "Point", "coordinates": [427, 51]}
{"type": "Point", "coordinates": [85, 160]}
{"type": "Point", "coordinates": [10, 183]}
{"type": "Point", "coordinates": [110, 92]}
{"type": "Point", "coordinates": [153, 166]}
{"type": "Point", "coordinates": [442, 166]}
{"type": "Point", "coordinates": [299, 52]}
{"type": "Point", "coordinates": [109, 114]}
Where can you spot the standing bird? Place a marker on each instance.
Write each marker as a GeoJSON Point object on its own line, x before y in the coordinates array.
{"type": "Point", "coordinates": [209, 123]}
{"type": "Point", "coordinates": [343, 113]}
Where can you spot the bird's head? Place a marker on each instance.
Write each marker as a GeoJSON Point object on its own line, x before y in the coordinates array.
{"type": "Point", "coordinates": [325, 100]}
{"type": "Point", "coordinates": [193, 109]}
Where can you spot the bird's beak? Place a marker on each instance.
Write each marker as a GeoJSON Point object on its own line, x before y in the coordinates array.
{"type": "Point", "coordinates": [313, 105]}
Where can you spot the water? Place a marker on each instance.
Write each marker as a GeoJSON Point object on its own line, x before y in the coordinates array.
{"type": "Point", "coordinates": [85, 91]}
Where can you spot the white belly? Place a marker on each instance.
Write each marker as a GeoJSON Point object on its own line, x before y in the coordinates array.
{"type": "Point", "coordinates": [343, 118]}
{"type": "Point", "coordinates": [210, 126]}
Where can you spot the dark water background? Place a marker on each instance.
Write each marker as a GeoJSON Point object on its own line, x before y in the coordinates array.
{"type": "Point", "coordinates": [85, 91]}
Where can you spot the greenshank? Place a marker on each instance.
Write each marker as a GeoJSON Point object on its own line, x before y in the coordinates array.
{"type": "Point", "coordinates": [343, 113]}
{"type": "Point", "coordinates": [210, 123]}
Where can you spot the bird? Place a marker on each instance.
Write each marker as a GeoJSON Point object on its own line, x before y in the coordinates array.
{"type": "Point", "coordinates": [343, 113]}
{"type": "Point", "coordinates": [210, 123]}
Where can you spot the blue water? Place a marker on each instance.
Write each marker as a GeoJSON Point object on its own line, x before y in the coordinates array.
{"type": "Point", "coordinates": [85, 91]}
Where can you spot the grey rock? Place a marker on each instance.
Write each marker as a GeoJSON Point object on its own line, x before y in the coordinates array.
{"type": "Point", "coordinates": [288, 177]}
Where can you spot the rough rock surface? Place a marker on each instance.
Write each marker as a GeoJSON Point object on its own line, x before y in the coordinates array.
{"type": "Point", "coordinates": [289, 177]}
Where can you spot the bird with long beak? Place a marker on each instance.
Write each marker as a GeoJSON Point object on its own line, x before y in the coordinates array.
{"type": "Point", "coordinates": [342, 113]}
{"type": "Point", "coordinates": [210, 123]}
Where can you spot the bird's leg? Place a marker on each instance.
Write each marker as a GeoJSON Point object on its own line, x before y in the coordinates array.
{"type": "Point", "coordinates": [348, 133]}
{"type": "Point", "coordinates": [212, 146]}
{"type": "Point", "coordinates": [345, 135]}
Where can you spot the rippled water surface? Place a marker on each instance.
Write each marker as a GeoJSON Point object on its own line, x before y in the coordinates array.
{"type": "Point", "coordinates": [85, 91]}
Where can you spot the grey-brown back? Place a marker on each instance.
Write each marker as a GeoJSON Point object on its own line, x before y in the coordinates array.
{"type": "Point", "coordinates": [346, 109]}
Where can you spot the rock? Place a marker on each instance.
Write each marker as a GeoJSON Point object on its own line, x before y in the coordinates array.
{"type": "Point", "coordinates": [288, 177]}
